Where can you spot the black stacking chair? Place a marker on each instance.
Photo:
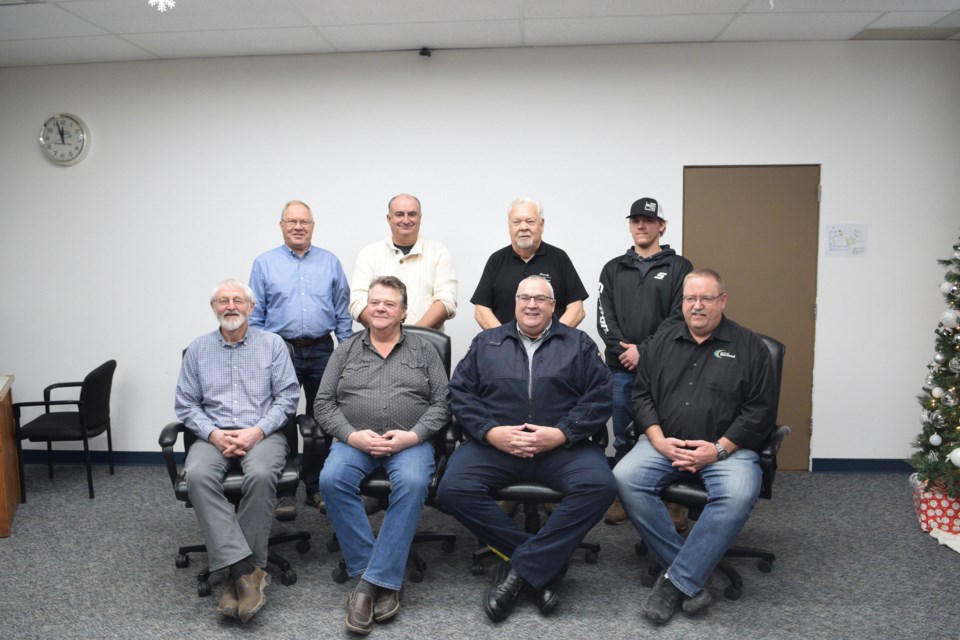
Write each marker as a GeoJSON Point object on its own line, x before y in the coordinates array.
{"type": "Point", "coordinates": [377, 485]}
{"type": "Point", "coordinates": [232, 489]}
{"type": "Point", "coordinates": [531, 495]}
{"type": "Point", "coordinates": [692, 494]}
{"type": "Point", "coordinates": [91, 418]}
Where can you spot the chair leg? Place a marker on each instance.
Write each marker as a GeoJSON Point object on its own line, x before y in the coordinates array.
{"type": "Point", "coordinates": [49, 459]}
{"type": "Point", "coordinates": [110, 449]}
{"type": "Point", "coordinates": [86, 452]}
{"type": "Point", "coordinates": [23, 488]}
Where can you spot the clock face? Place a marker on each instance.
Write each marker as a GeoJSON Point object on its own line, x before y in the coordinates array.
{"type": "Point", "coordinates": [64, 139]}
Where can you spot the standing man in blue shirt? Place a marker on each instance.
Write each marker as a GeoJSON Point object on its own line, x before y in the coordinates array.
{"type": "Point", "coordinates": [304, 298]}
{"type": "Point", "coordinates": [236, 407]}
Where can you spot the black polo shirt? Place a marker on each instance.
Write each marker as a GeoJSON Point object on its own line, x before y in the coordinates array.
{"type": "Point", "coordinates": [505, 269]}
{"type": "Point", "coordinates": [721, 387]}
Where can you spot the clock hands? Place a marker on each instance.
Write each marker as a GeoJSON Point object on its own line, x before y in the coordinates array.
{"type": "Point", "coordinates": [60, 129]}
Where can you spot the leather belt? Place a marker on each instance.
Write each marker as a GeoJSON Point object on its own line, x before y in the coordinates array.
{"type": "Point", "coordinates": [309, 342]}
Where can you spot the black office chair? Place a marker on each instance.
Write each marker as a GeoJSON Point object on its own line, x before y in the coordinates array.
{"type": "Point", "coordinates": [91, 418]}
{"type": "Point", "coordinates": [691, 493]}
{"type": "Point", "coordinates": [531, 494]}
{"type": "Point", "coordinates": [232, 489]}
{"type": "Point", "coordinates": [377, 484]}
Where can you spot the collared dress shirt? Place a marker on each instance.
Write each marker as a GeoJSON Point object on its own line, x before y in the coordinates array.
{"type": "Point", "coordinates": [363, 390]}
{"type": "Point", "coordinates": [301, 297]}
{"type": "Point", "coordinates": [225, 385]}
{"type": "Point", "coordinates": [721, 387]}
{"type": "Point", "coordinates": [427, 271]}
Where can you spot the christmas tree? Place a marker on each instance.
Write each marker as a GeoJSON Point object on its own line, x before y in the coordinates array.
{"type": "Point", "coordinates": [937, 459]}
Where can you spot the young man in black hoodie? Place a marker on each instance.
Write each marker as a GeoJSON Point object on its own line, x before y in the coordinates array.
{"type": "Point", "coordinates": [640, 294]}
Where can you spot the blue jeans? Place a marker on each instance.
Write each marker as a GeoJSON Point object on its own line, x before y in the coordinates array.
{"type": "Point", "coordinates": [622, 410]}
{"type": "Point", "coordinates": [309, 363]}
{"type": "Point", "coordinates": [381, 559]}
{"type": "Point", "coordinates": [733, 486]}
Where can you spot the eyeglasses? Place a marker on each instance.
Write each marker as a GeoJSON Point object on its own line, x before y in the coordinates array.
{"type": "Point", "coordinates": [236, 301]}
{"type": "Point", "coordinates": [306, 224]}
{"type": "Point", "coordinates": [707, 300]}
{"type": "Point", "coordinates": [524, 298]}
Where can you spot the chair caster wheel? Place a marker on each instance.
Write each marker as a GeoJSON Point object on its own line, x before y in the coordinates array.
{"type": "Point", "coordinates": [448, 545]}
{"type": "Point", "coordinates": [333, 546]}
{"type": "Point", "coordinates": [183, 561]}
{"type": "Point", "coordinates": [203, 589]}
{"type": "Point", "coordinates": [340, 573]}
{"type": "Point", "coordinates": [477, 569]}
{"type": "Point", "coordinates": [640, 549]}
{"type": "Point", "coordinates": [765, 566]}
{"type": "Point", "coordinates": [287, 578]}
{"type": "Point", "coordinates": [647, 580]}
{"type": "Point", "coordinates": [591, 557]}
{"type": "Point", "coordinates": [731, 593]}
{"type": "Point", "coordinates": [416, 575]}
{"type": "Point", "coordinates": [302, 546]}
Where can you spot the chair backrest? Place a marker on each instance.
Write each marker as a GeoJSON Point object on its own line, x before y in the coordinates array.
{"type": "Point", "coordinates": [95, 396]}
{"type": "Point", "coordinates": [438, 339]}
{"type": "Point", "coordinates": [777, 350]}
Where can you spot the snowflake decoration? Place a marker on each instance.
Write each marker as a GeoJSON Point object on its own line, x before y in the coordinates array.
{"type": "Point", "coordinates": [163, 5]}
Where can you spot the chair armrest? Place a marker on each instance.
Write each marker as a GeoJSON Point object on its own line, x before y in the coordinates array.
{"type": "Point", "coordinates": [631, 434]}
{"type": "Point", "coordinates": [772, 446]}
{"type": "Point", "coordinates": [167, 440]}
{"type": "Point", "coordinates": [58, 385]}
{"type": "Point", "coordinates": [313, 436]}
{"type": "Point", "coordinates": [768, 459]}
{"type": "Point", "coordinates": [47, 404]}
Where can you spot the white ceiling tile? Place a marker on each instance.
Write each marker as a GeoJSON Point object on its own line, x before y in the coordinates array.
{"type": "Point", "coordinates": [136, 16]}
{"type": "Point", "coordinates": [452, 35]}
{"type": "Point", "coordinates": [236, 42]}
{"type": "Point", "coordinates": [359, 12]}
{"type": "Point", "coordinates": [69, 51]}
{"type": "Point", "coordinates": [806, 26]}
{"type": "Point", "coordinates": [611, 8]}
{"type": "Point", "coordinates": [27, 21]}
{"type": "Point", "coordinates": [898, 19]}
{"type": "Point", "coordinates": [952, 20]}
{"type": "Point", "coordinates": [549, 32]}
{"type": "Point", "coordinates": [847, 6]}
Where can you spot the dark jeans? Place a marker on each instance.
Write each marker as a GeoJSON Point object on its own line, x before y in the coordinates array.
{"type": "Point", "coordinates": [581, 473]}
{"type": "Point", "coordinates": [310, 362]}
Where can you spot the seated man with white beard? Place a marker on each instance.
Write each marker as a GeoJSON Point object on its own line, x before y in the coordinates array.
{"type": "Point", "coordinates": [237, 388]}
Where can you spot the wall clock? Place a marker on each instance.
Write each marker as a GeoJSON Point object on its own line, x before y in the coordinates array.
{"type": "Point", "coordinates": [64, 139]}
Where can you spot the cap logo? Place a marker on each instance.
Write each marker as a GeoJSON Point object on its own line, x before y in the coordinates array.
{"type": "Point", "coordinates": [651, 207]}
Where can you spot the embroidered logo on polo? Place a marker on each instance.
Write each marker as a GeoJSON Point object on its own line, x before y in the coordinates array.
{"type": "Point", "coordinates": [660, 276]}
{"type": "Point", "coordinates": [545, 276]}
{"type": "Point", "coordinates": [720, 353]}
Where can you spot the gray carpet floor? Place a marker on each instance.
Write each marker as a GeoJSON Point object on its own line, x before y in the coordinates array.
{"type": "Point", "coordinates": [851, 563]}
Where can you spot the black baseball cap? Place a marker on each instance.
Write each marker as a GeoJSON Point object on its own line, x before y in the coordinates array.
{"type": "Point", "coordinates": [646, 207]}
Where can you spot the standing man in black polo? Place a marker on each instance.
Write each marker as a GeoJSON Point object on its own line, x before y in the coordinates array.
{"type": "Point", "coordinates": [527, 255]}
{"type": "Point", "coordinates": [640, 294]}
{"type": "Point", "coordinates": [303, 297]}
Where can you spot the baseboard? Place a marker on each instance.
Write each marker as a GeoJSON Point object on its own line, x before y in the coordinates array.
{"type": "Point", "coordinates": [860, 465]}
{"type": "Point", "coordinates": [39, 456]}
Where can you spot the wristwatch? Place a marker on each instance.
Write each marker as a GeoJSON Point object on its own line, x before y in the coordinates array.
{"type": "Point", "coordinates": [721, 452]}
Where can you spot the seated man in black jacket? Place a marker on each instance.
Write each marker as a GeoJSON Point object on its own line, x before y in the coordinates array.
{"type": "Point", "coordinates": [529, 394]}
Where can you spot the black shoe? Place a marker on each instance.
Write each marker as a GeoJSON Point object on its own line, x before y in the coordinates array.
{"type": "Point", "coordinates": [662, 602]}
{"type": "Point", "coordinates": [695, 604]}
{"type": "Point", "coordinates": [498, 599]}
{"type": "Point", "coordinates": [548, 598]}
{"type": "Point", "coordinates": [316, 501]}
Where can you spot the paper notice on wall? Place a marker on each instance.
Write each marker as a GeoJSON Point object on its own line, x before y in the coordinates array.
{"type": "Point", "coordinates": [846, 240]}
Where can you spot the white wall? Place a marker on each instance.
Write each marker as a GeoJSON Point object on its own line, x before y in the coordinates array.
{"type": "Point", "coordinates": [191, 161]}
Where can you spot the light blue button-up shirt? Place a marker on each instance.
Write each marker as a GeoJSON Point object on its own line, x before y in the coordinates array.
{"type": "Point", "coordinates": [301, 298]}
{"type": "Point", "coordinates": [226, 385]}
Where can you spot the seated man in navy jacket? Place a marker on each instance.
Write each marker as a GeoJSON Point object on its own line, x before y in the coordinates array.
{"type": "Point", "coordinates": [529, 394]}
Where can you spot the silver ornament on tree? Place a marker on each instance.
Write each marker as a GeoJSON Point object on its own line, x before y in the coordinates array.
{"type": "Point", "coordinates": [936, 440]}
{"type": "Point", "coordinates": [937, 392]}
{"type": "Point", "coordinates": [954, 457]}
{"type": "Point", "coordinates": [947, 288]}
{"type": "Point", "coordinates": [950, 319]}
{"type": "Point", "coordinates": [940, 358]}
{"type": "Point", "coordinates": [950, 399]}
{"type": "Point", "coordinates": [954, 364]}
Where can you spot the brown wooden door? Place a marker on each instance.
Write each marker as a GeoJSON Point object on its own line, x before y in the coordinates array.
{"type": "Point", "coordinates": [758, 226]}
